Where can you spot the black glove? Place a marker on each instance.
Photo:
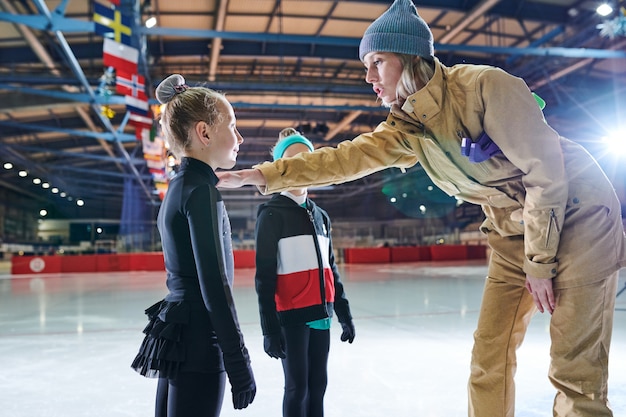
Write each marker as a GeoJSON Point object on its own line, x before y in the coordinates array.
{"type": "Point", "coordinates": [244, 398]}
{"type": "Point", "coordinates": [243, 387]}
{"type": "Point", "coordinates": [348, 332]}
{"type": "Point", "coordinates": [242, 382]}
{"type": "Point", "coordinates": [274, 345]}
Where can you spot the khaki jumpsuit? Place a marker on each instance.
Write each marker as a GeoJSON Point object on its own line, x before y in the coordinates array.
{"type": "Point", "coordinates": [550, 212]}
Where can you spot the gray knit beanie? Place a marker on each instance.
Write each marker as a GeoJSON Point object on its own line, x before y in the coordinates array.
{"type": "Point", "coordinates": [401, 30]}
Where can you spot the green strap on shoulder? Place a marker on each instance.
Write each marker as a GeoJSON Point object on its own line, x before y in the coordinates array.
{"type": "Point", "coordinates": [540, 101]}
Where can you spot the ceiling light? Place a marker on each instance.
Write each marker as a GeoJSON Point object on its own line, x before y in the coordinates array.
{"type": "Point", "coordinates": [604, 9]}
{"type": "Point", "coordinates": [80, 203]}
{"type": "Point", "coordinates": [23, 174]}
{"type": "Point", "coordinates": [8, 165]}
{"type": "Point", "coordinates": [615, 142]}
{"type": "Point", "coordinates": [151, 22]}
{"type": "Point", "coordinates": [36, 181]}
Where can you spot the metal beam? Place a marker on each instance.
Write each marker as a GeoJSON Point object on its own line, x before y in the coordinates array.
{"type": "Point", "coordinates": [216, 44]}
{"type": "Point", "coordinates": [343, 123]}
{"type": "Point", "coordinates": [479, 11]}
{"type": "Point", "coordinates": [354, 42]}
{"type": "Point", "coordinates": [43, 9]}
{"type": "Point", "coordinates": [86, 156]}
{"type": "Point", "coordinates": [112, 137]}
{"type": "Point", "coordinates": [570, 69]}
{"type": "Point", "coordinates": [87, 120]}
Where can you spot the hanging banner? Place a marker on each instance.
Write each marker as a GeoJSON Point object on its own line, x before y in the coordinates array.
{"type": "Point", "coordinates": [111, 23]}
{"type": "Point", "coordinates": [119, 56]}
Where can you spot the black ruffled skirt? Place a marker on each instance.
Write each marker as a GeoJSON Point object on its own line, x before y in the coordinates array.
{"type": "Point", "coordinates": [163, 351]}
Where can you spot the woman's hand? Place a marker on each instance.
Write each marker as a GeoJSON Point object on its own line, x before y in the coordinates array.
{"type": "Point", "coordinates": [541, 290]}
{"type": "Point", "coordinates": [236, 179]}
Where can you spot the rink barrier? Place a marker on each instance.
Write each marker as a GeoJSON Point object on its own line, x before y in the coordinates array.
{"type": "Point", "coordinates": [57, 264]}
{"type": "Point", "coordinates": [153, 261]}
{"type": "Point", "coordinates": [414, 253]}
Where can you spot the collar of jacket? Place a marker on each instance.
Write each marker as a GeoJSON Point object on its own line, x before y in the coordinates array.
{"type": "Point", "coordinates": [429, 98]}
{"type": "Point", "coordinates": [192, 164]}
{"type": "Point", "coordinates": [282, 201]}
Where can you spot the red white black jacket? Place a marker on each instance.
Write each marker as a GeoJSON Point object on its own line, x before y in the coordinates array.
{"type": "Point", "coordinates": [296, 278]}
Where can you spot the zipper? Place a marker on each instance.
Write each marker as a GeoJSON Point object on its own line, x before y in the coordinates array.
{"type": "Point", "coordinates": [553, 222]}
{"type": "Point", "coordinates": [320, 264]}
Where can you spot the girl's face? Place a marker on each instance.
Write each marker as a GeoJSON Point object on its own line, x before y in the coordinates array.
{"type": "Point", "coordinates": [294, 150]}
{"type": "Point", "coordinates": [383, 70]}
{"type": "Point", "coordinates": [224, 139]}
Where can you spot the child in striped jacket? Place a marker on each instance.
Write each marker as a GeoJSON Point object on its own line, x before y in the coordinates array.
{"type": "Point", "coordinates": [298, 287]}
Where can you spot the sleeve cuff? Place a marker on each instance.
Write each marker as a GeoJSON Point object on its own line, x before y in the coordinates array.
{"type": "Point", "coordinates": [270, 174]}
{"type": "Point", "coordinates": [545, 271]}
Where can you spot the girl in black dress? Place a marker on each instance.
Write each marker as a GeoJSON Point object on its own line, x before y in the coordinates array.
{"type": "Point", "coordinates": [193, 340]}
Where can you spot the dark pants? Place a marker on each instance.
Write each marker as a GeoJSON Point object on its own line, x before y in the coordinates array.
{"type": "Point", "coordinates": [190, 394]}
{"type": "Point", "coordinates": [305, 370]}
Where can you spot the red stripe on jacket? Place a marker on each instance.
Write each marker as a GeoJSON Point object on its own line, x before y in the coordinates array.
{"type": "Point", "coordinates": [302, 289]}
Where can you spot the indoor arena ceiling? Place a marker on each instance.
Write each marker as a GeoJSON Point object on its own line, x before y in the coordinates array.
{"type": "Point", "coordinates": [281, 63]}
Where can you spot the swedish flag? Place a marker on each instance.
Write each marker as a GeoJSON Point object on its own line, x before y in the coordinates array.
{"type": "Point", "coordinates": [111, 23]}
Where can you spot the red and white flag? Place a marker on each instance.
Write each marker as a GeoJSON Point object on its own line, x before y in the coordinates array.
{"type": "Point", "coordinates": [130, 84]}
{"type": "Point", "coordinates": [140, 122]}
{"type": "Point", "coordinates": [122, 57]}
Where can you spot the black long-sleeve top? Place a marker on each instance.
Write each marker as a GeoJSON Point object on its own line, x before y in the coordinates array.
{"type": "Point", "coordinates": [197, 247]}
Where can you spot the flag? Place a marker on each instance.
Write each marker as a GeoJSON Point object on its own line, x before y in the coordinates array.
{"type": "Point", "coordinates": [140, 121]}
{"type": "Point", "coordinates": [111, 23]}
{"type": "Point", "coordinates": [130, 84]}
{"type": "Point", "coordinates": [158, 175]}
{"type": "Point", "coordinates": [148, 137]}
{"type": "Point", "coordinates": [122, 57]}
{"type": "Point", "coordinates": [138, 105]}
{"type": "Point", "coordinates": [154, 147]}
{"type": "Point", "coordinates": [155, 163]}
{"type": "Point", "coordinates": [152, 144]}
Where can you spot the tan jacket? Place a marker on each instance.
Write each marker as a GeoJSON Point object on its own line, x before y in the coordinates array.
{"type": "Point", "coordinates": [527, 190]}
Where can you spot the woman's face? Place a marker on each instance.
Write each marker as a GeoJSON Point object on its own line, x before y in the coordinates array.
{"type": "Point", "coordinates": [224, 139]}
{"type": "Point", "coordinates": [383, 71]}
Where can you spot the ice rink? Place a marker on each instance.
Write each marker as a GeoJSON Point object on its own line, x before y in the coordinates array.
{"type": "Point", "coordinates": [66, 343]}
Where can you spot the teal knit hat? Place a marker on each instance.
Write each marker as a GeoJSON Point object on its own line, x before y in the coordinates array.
{"type": "Point", "coordinates": [282, 146]}
{"type": "Point", "coordinates": [401, 30]}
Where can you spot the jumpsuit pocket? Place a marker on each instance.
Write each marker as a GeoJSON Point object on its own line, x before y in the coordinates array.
{"type": "Point", "coordinates": [554, 230]}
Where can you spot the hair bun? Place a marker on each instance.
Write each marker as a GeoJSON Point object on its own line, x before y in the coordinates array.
{"type": "Point", "coordinates": [169, 87]}
{"type": "Point", "coordinates": [288, 131]}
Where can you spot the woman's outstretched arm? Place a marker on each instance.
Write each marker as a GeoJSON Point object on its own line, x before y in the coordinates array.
{"type": "Point", "coordinates": [236, 179]}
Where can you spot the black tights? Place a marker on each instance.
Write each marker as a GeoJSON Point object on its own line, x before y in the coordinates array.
{"type": "Point", "coordinates": [305, 370]}
{"type": "Point", "coordinates": [190, 394]}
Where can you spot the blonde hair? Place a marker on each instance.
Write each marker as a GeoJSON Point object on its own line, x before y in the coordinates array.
{"type": "Point", "coordinates": [184, 107]}
{"type": "Point", "coordinates": [416, 72]}
{"type": "Point", "coordinates": [286, 132]}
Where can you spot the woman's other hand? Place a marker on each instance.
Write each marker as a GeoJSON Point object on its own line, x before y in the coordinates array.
{"type": "Point", "coordinates": [541, 290]}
